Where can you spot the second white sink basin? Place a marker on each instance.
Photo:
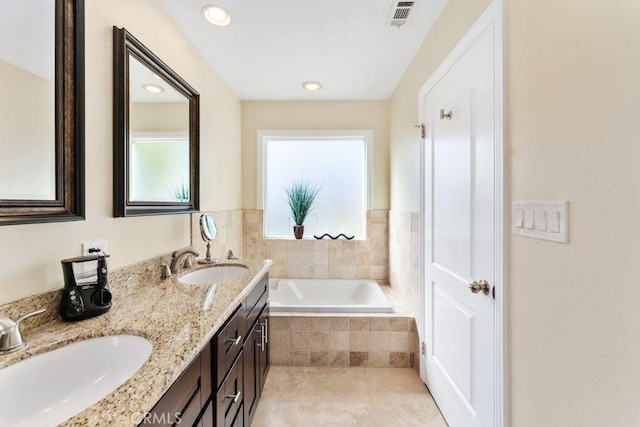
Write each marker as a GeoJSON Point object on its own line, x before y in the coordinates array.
{"type": "Point", "coordinates": [52, 387]}
{"type": "Point", "coordinates": [211, 275]}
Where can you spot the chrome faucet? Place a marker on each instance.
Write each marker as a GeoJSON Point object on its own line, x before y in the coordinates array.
{"type": "Point", "coordinates": [10, 335]}
{"type": "Point", "coordinates": [177, 256]}
{"type": "Point", "coordinates": [230, 255]}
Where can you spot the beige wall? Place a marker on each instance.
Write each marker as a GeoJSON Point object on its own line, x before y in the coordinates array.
{"type": "Point", "coordinates": [573, 108]}
{"type": "Point", "coordinates": [30, 254]}
{"type": "Point", "coordinates": [453, 22]}
{"type": "Point", "coordinates": [320, 115]}
{"type": "Point", "coordinates": [573, 100]}
{"type": "Point", "coordinates": [159, 116]}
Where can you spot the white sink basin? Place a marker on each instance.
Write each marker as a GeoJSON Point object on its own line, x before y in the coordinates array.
{"type": "Point", "coordinates": [51, 387]}
{"type": "Point", "coordinates": [211, 275]}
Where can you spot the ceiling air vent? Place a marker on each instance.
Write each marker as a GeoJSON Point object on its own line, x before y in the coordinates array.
{"type": "Point", "coordinates": [400, 12]}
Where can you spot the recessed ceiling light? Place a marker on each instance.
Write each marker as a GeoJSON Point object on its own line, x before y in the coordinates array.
{"type": "Point", "coordinates": [150, 87]}
{"type": "Point", "coordinates": [216, 15]}
{"type": "Point", "coordinates": [311, 85]}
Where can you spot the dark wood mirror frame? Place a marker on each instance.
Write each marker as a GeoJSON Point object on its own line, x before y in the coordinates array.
{"type": "Point", "coordinates": [125, 44]}
{"type": "Point", "coordinates": [69, 127]}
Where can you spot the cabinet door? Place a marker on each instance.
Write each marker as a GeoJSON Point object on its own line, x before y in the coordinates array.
{"type": "Point", "coordinates": [264, 359]}
{"type": "Point", "coordinates": [252, 349]}
{"type": "Point", "coordinates": [182, 402]}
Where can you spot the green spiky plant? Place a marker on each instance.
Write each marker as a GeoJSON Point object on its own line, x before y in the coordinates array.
{"type": "Point", "coordinates": [180, 192]}
{"type": "Point", "coordinates": [300, 197]}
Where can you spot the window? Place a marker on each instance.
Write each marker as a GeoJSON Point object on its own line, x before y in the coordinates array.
{"type": "Point", "coordinates": [159, 166]}
{"type": "Point", "coordinates": [339, 162]}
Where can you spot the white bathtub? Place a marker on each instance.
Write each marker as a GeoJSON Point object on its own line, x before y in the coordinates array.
{"type": "Point", "coordinates": [327, 296]}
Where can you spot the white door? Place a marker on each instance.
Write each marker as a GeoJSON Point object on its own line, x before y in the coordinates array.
{"type": "Point", "coordinates": [459, 233]}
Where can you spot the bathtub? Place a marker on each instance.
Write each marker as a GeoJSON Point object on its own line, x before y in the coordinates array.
{"type": "Point", "coordinates": [327, 296]}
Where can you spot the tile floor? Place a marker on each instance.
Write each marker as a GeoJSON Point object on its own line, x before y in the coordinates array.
{"type": "Point", "coordinates": [323, 396]}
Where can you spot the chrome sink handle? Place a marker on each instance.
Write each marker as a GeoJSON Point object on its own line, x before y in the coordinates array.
{"type": "Point", "coordinates": [10, 335]}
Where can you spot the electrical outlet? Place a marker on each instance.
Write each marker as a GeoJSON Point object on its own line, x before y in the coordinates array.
{"type": "Point", "coordinates": [98, 244]}
{"type": "Point", "coordinates": [86, 246]}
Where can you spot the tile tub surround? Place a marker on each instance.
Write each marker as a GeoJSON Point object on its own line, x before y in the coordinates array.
{"type": "Point", "coordinates": [343, 341]}
{"type": "Point", "coordinates": [404, 257]}
{"type": "Point", "coordinates": [322, 259]}
{"type": "Point", "coordinates": [171, 315]}
{"type": "Point", "coordinates": [295, 396]}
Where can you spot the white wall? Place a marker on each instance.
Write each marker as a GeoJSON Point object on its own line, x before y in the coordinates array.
{"type": "Point", "coordinates": [316, 115]}
{"type": "Point", "coordinates": [30, 254]}
{"type": "Point", "coordinates": [573, 105]}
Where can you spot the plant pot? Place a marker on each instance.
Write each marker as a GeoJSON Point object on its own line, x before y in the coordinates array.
{"type": "Point", "coordinates": [298, 231]}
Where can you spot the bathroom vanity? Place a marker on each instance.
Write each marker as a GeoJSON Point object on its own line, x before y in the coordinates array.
{"type": "Point", "coordinates": [222, 386]}
{"type": "Point", "coordinates": [209, 354]}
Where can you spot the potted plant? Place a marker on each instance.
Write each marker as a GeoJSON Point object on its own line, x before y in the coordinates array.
{"type": "Point", "coordinates": [300, 196]}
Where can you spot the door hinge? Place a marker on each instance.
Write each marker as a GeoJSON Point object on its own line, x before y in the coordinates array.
{"type": "Point", "coordinates": [423, 348]}
{"type": "Point", "coordinates": [422, 130]}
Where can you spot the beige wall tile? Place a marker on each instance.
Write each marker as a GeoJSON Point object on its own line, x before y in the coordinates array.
{"type": "Point", "coordinates": [320, 271]}
{"type": "Point", "coordinates": [338, 358]}
{"type": "Point", "coordinates": [363, 272]}
{"type": "Point", "coordinates": [319, 324]}
{"type": "Point", "coordinates": [299, 323]}
{"type": "Point", "coordinates": [319, 358]}
{"type": "Point", "coordinates": [399, 341]}
{"type": "Point", "coordinates": [379, 341]}
{"type": "Point", "coordinates": [359, 341]}
{"type": "Point", "coordinates": [378, 324]}
{"type": "Point", "coordinates": [299, 358]}
{"type": "Point", "coordinates": [399, 324]}
{"type": "Point", "coordinates": [358, 324]}
{"type": "Point", "coordinates": [299, 340]}
{"type": "Point", "coordinates": [280, 323]}
{"type": "Point", "coordinates": [399, 359]}
{"type": "Point", "coordinates": [358, 358]}
{"type": "Point", "coordinates": [349, 272]}
{"type": "Point", "coordinates": [279, 357]}
{"type": "Point", "coordinates": [280, 340]}
{"type": "Point", "coordinates": [319, 340]}
{"type": "Point", "coordinates": [338, 323]}
{"type": "Point", "coordinates": [338, 340]}
{"type": "Point", "coordinates": [379, 359]}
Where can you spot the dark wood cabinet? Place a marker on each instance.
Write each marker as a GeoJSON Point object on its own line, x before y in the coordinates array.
{"type": "Point", "coordinates": [183, 403]}
{"type": "Point", "coordinates": [222, 386]}
{"type": "Point", "coordinates": [244, 372]}
{"type": "Point", "coordinates": [256, 363]}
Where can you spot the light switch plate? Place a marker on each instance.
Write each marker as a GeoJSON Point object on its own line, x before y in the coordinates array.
{"type": "Point", "coordinates": [550, 221]}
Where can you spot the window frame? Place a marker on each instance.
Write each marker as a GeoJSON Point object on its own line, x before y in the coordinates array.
{"type": "Point", "coordinates": [263, 136]}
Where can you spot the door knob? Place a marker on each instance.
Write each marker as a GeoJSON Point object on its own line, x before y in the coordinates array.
{"type": "Point", "coordinates": [476, 287]}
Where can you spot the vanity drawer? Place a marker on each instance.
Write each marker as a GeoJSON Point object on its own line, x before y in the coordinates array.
{"type": "Point", "coordinates": [227, 344]}
{"type": "Point", "coordinates": [229, 398]}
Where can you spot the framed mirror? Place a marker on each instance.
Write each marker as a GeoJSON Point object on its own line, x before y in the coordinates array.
{"type": "Point", "coordinates": [41, 111]}
{"type": "Point", "coordinates": [156, 133]}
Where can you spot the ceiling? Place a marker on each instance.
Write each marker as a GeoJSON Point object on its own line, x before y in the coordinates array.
{"type": "Point", "coordinates": [272, 46]}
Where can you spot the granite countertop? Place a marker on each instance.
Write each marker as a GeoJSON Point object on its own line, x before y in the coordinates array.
{"type": "Point", "coordinates": [178, 319]}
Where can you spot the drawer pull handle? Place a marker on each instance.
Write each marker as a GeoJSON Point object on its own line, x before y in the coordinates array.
{"type": "Point", "coordinates": [235, 341]}
{"type": "Point", "coordinates": [263, 337]}
{"type": "Point", "coordinates": [266, 330]}
{"type": "Point", "coordinates": [235, 397]}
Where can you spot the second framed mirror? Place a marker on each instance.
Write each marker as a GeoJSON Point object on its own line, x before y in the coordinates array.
{"type": "Point", "coordinates": [156, 133]}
